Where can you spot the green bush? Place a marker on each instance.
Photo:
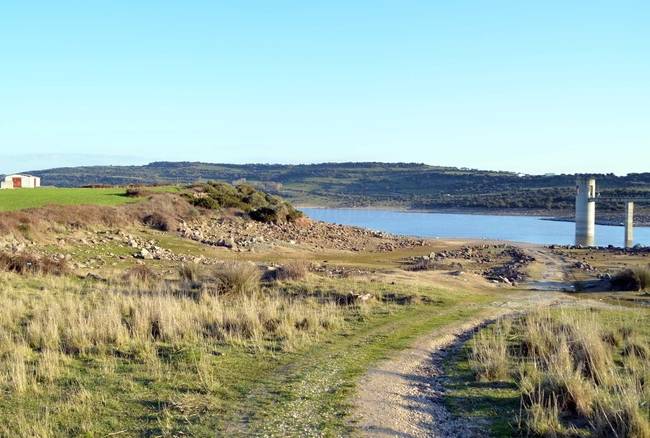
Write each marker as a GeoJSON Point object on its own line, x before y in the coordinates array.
{"type": "Point", "coordinates": [205, 202]}
{"type": "Point", "coordinates": [261, 206]}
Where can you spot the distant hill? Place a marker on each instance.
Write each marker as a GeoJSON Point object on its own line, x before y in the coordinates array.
{"type": "Point", "coordinates": [364, 184]}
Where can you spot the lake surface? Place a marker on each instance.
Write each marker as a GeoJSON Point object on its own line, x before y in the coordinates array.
{"type": "Point", "coordinates": [475, 226]}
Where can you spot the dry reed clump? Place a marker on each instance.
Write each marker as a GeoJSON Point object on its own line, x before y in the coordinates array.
{"type": "Point", "coordinates": [139, 273]}
{"type": "Point", "coordinates": [576, 374]}
{"type": "Point", "coordinates": [291, 271]}
{"type": "Point", "coordinates": [489, 352]}
{"type": "Point", "coordinates": [239, 278]}
{"type": "Point", "coordinates": [190, 272]}
{"type": "Point", "coordinates": [23, 263]}
{"type": "Point", "coordinates": [40, 329]}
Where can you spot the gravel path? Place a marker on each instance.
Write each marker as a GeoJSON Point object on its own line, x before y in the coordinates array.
{"type": "Point", "coordinates": [403, 396]}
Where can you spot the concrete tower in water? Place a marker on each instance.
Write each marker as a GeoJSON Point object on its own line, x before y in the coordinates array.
{"type": "Point", "coordinates": [629, 224]}
{"type": "Point", "coordinates": [585, 210]}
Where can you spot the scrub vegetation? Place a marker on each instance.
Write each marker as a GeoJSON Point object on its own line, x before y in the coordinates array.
{"type": "Point", "coordinates": [260, 206]}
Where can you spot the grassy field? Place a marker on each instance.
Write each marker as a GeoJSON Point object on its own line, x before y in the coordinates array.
{"type": "Point", "coordinates": [19, 199]}
{"type": "Point", "coordinates": [86, 358]}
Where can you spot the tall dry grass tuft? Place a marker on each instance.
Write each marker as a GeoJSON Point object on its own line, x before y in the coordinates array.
{"type": "Point", "coordinates": [293, 270]}
{"type": "Point", "coordinates": [240, 278]}
{"type": "Point", "coordinates": [577, 368]}
{"type": "Point", "coordinates": [489, 352]}
{"type": "Point", "coordinates": [190, 272]}
{"type": "Point", "coordinates": [139, 274]}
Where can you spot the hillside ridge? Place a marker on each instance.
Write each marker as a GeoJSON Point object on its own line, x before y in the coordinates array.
{"type": "Point", "coordinates": [360, 184]}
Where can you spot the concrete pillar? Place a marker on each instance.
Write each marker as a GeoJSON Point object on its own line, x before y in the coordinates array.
{"type": "Point", "coordinates": [585, 211]}
{"type": "Point", "coordinates": [629, 224]}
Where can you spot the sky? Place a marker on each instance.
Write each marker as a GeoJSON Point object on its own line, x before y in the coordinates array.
{"type": "Point", "coordinates": [534, 87]}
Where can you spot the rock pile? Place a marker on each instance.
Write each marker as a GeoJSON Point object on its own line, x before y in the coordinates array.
{"type": "Point", "coordinates": [239, 234]}
{"type": "Point", "coordinates": [584, 266]}
{"type": "Point", "coordinates": [479, 254]}
{"type": "Point", "coordinates": [510, 273]}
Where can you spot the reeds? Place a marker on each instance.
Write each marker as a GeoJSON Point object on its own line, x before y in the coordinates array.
{"type": "Point", "coordinates": [572, 367]}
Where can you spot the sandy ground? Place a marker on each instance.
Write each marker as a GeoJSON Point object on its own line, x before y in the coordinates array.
{"type": "Point", "coordinates": [403, 396]}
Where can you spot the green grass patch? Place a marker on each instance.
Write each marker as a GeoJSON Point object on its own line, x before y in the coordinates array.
{"type": "Point", "coordinates": [20, 199]}
{"type": "Point", "coordinates": [494, 403]}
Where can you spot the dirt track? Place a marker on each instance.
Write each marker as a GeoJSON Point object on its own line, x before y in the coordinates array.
{"type": "Point", "coordinates": [403, 396]}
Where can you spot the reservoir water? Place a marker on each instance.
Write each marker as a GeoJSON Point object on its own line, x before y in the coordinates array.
{"type": "Point", "coordinates": [472, 226]}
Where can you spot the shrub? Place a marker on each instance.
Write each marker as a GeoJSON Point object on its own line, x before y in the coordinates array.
{"type": "Point", "coordinates": [261, 206]}
{"type": "Point", "coordinates": [238, 278]}
{"type": "Point", "coordinates": [631, 279]}
{"type": "Point", "coordinates": [133, 192]}
{"type": "Point", "coordinates": [626, 280]}
{"type": "Point", "coordinates": [160, 221]}
{"type": "Point", "coordinates": [205, 202]}
{"type": "Point", "coordinates": [266, 215]}
{"type": "Point", "coordinates": [276, 214]}
{"type": "Point", "coordinates": [294, 270]}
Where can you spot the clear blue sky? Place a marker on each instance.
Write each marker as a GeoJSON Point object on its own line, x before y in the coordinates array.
{"type": "Point", "coordinates": [545, 86]}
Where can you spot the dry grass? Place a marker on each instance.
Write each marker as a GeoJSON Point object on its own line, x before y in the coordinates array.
{"type": "Point", "coordinates": [39, 330]}
{"type": "Point", "coordinates": [489, 354]}
{"type": "Point", "coordinates": [578, 371]}
{"type": "Point", "coordinates": [240, 278]}
{"type": "Point", "coordinates": [160, 210]}
{"type": "Point", "coordinates": [139, 274]}
{"type": "Point", "coordinates": [292, 271]}
{"type": "Point", "coordinates": [24, 263]}
{"type": "Point", "coordinates": [190, 272]}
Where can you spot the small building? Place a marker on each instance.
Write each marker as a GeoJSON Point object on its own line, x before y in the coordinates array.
{"type": "Point", "coordinates": [20, 181]}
